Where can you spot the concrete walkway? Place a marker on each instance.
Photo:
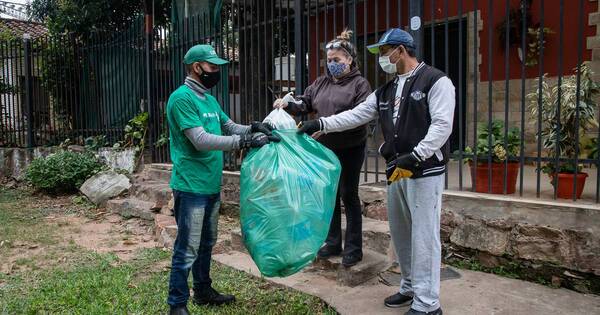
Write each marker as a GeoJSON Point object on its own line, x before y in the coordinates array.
{"type": "Point", "coordinates": [474, 293]}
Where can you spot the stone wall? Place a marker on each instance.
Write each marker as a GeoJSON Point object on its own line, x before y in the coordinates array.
{"type": "Point", "coordinates": [543, 232]}
{"type": "Point", "coordinates": [124, 159]}
{"type": "Point", "coordinates": [563, 236]}
{"type": "Point", "coordinates": [14, 161]}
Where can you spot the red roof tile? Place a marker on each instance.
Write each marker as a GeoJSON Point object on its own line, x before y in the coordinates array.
{"type": "Point", "coordinates": [19, 27]}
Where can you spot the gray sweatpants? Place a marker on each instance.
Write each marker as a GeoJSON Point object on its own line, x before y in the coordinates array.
{"type": "Point", "coordinates": [414, 207]}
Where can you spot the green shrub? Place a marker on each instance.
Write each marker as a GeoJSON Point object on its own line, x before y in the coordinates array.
{"type": "Point", "coordinates": [62, 172]}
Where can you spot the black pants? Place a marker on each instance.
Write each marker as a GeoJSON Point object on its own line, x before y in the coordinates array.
{"type": "Point", "coordinates": [351, 160]}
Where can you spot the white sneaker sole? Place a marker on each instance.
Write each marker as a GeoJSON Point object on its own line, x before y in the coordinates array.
{"type": "Point", "coordinates": [398, 305]}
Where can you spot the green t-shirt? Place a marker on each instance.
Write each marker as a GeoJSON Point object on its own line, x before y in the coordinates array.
{"type": "Point", "coordinates": [194, 171]}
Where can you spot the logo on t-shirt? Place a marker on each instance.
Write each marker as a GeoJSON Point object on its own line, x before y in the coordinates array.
{"type": "Point", "coordinates": [417, 95]}
{"type": "Point", "coordinates": [210, 115]}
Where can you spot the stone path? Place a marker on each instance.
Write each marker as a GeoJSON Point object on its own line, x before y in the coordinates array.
{"type": "Point", "coordinates": [474, 293]}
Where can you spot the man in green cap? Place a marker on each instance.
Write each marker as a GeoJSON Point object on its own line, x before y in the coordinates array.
{"type": "Point", "coordinates": [196, 125]}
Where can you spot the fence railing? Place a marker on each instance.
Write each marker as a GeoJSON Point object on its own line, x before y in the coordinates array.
{"type": "Point", "coordinates": [58, 87]}
{"type": "Point", "coordinates": [526, 91]}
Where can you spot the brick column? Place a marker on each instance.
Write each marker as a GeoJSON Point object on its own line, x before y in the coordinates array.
{"type": "Point", "coordinates": [593, 42]}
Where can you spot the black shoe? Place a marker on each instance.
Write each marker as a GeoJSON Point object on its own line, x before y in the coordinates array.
{"type": "Point", "coordinates": [350, 260]}
{"type": "Point", "coordinates": [212, 297]}
{"type": "Point", "coordinates": [328, 251]}
{"type": "Point", "coordinates": [181, 310]}
{"type": "Point", "coordinates": [415, 312]}
{"type": "Point", "coordinates": [397, 300]}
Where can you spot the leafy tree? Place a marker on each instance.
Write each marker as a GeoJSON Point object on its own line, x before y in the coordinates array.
{"type": "Point", "coordinates": [82, 17]}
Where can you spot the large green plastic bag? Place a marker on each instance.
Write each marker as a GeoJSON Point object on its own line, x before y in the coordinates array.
{"type": "Point", "coordinates": [287, 196]}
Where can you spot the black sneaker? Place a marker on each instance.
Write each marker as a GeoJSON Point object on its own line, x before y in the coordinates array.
{"type": "Point", "coordinates": [328, 251]}
{"type": "Point", "coordinates": [212, 297]}
{"type": "Point", "coordinates": [350, 260]}
{"type": "Point", "coordinates": [415, 312]}
{"type": "Point", "coordinates": [397, 300]}
{"type": "Point", "coordinates": [181, 310]}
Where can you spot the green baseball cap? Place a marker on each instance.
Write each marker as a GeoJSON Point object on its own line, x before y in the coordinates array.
{"type": "Point", "coordinates": [203, 53]}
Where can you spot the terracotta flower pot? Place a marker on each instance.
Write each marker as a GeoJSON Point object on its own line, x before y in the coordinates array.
{"type": "Point", "coordinates": [565, 184]}
{"type": "Point", "coordinates": [481, 173]}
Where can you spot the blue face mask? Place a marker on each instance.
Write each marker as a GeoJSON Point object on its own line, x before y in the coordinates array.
{"type": "Point", "coordinates": [336, 68]}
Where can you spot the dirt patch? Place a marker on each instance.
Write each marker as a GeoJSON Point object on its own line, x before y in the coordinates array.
{"type": "Point", "coordinates": [21, 259]}
{"type": "Point", "coordinates": [110, 234]}
{"type": "Point", "coordinates": [227, 224]}
{"type": "Point", "coordinates": [70, 224]}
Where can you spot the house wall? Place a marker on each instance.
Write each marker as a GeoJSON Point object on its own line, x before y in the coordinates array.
{"type": "Point", "coordinates": [477, 98]}
{"type": "Point", "coordinates": [323, 29]}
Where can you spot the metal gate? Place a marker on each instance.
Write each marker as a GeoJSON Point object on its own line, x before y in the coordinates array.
{"type": "Point", "coordinates": [525, 73]}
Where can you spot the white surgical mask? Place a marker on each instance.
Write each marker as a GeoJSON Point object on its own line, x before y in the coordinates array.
{"type": "Point", "coordinates": [386, 64]}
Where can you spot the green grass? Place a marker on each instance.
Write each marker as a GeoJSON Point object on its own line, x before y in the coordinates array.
{"type": "Point", "coordinates": [91, 283]}
{"type": "Point", "coordinates": [97, 286]}
{"type": "Point", "coordinates": [22, 223]}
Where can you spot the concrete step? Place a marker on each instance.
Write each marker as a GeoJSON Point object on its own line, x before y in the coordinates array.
{"type": "Point", "coordinates": [369, 267]}
{"type": "Point", "coordinates": [376, 234]}
{"type": "Point", "coordinates": [157, 175]}
{"type": "Point", "coordinates": [154, 173]}
{"type": "Point", "coordinates": [160, 166]}
{"type": "Point", "coordinates": [152, 191]}
{"type": "Point", "coordinates": [131, 207]}
{"type": "Point", "coordinates": [165, 230]}
{"type": "Point", "coordinates": [237, 242]}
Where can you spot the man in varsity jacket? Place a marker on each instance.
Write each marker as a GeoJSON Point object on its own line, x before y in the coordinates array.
{"type": "Point", "coordinates": [415, 112]}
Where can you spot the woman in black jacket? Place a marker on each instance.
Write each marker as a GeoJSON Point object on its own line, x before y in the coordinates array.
{"type": "Point", "coordinates": [342, 88]}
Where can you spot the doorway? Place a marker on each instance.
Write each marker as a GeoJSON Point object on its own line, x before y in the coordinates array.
{"type": "Point", "coordinates": [437, 57]}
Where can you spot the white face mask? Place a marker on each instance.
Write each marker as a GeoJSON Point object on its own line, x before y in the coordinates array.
{"type": "Point", "coordinates": [386, 64]}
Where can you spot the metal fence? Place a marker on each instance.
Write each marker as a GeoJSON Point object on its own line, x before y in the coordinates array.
{"type": "Point", "coordinates": [61, 87]}
{"type": "Point", "coordinates": [508, 122]}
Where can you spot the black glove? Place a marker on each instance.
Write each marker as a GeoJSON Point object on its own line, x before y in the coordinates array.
{"type": "Point", "coordinates": [257, 126]}
{"type": "Point", "coordinates": [310, 126]}
{"type": "Point", "coordinates": [401, 167]}
{"type": "Point", "coordinates": [248, 141]}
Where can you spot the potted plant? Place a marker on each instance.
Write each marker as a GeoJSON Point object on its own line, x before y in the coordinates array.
{"type": "Point", "coordinates": [575, 120]}
{"type": "Point", "coordinates": [492, 144]}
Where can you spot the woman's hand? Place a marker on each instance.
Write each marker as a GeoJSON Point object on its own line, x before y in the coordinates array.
{"type": "Point", "coordinates": [283, 102]}
{"type": "Point", "coordinates": [280, 103]}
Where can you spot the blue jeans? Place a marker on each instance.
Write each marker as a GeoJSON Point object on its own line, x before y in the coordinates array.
{"type": "Point", "coordinates": [197, 220]}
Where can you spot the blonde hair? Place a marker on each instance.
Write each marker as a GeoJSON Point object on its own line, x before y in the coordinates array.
{"type": "Point", "coordinates": [345, 35]}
